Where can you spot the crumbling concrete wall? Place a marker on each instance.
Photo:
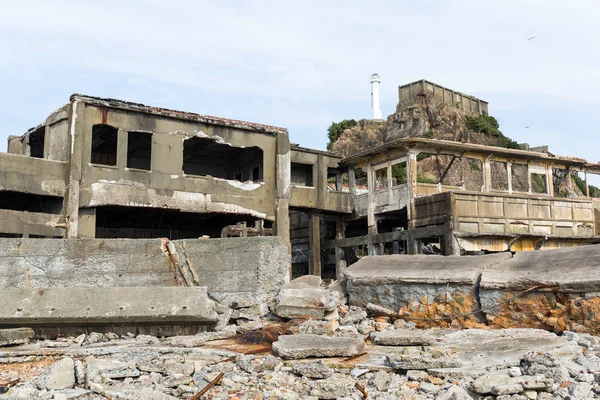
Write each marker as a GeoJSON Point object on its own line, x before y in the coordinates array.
{"type": "Point", "coordinates": [555, 290]}
{"type": "Point", "coordinates": [253, 268]}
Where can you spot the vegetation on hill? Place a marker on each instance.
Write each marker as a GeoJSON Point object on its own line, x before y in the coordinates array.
{"type": "Point", "coordinates": [336, 129]}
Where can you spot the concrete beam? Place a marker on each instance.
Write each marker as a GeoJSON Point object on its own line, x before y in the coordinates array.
{"type": "Point", "coordinates": [102, 307]}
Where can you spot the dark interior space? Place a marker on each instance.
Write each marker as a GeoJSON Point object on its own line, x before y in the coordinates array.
{"type": "Point", "coordinates": [104, 145]}
{"type": "Point", "coordinates": [36, 142]}
{"type": "Point", "coordinates": [139, 150]}
{"type": "Point", "coordinates": [10, 235]}
{"type": "Point", "coordinates": [143, 222]}
{"type": "Point", "coordinates": [207, 157]}
{"type": "Point", "coordinates": [302, 174]}
{"type": "Point", "coordinates": [18, 201]}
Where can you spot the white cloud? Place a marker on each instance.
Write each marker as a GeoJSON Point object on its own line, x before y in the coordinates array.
{"type": "Point", "coordinates": [300, 64]}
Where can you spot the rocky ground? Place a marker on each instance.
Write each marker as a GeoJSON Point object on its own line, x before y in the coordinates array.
{"type": "Point", "coordinates": [308, 345]}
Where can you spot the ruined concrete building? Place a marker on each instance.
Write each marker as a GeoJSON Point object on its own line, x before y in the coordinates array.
{"type": "Point", "coordinates": [104, 168]}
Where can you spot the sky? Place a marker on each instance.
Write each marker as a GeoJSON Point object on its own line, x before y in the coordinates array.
{"type": "Point", "coordinates": [304, 64]}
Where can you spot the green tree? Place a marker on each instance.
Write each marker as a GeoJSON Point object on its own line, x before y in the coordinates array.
{"type": "Point", "coordinates": [335, 130]}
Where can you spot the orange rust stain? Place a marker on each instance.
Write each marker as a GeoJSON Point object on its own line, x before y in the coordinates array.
{"type": "Point", "coordinates": [443, 314]}
{"type": "Point", "coordinates": [550, 311]}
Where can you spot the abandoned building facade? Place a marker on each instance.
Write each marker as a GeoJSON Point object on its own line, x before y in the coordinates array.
{"type": "Point", "coordinates": [104, 168]}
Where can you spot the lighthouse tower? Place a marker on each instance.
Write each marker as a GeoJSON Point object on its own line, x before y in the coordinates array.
{"type": "Point", "coordinates": [375, 81]}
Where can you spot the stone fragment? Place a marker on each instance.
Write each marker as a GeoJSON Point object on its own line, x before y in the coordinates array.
{"type": "Point", "coordinates": [377, 310]}
{"type": "Point", "coordinates": [304, 346]}
{"type": "Point", "coordinates": [186, 341]}
{"type": "Point", "coordinates": [497, 383]}
{"type": "Point", "coordinates": [317, 369]}
{"type": "Point", "coordinates": [301, 301]}
{"type": "Point", "coordinates": [404, 337]}
{"type": "Point", "coordinates": [381, 380]}
{"type": "Point", "coordinates": [257, 364]}
{"type": "Point", "coordinates": [330, 388]}
{"type": "Point", "coordinates": [60, 375]}
{"type": "Point", "coordinates": [354, 315]}
{"type": "Point", "coordinates": [15, 336]}
{"type": "Point", "coordinates": [454, 393]}
{"type": "Point", "coordinates": [416, 375]}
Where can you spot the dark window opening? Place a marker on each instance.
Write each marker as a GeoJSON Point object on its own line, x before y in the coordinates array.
{"type": "Point", "coordinates": [206, 157]}
{"type": "Point", "coordinates": [18, 201]}
{"type": "Point", "coordinates": [36, 142]}
{"type": "Point", "coordinates": [143, 222]}
{"type": "Point", "coordinates": [104, 145]}
{"type": "Point", "coordinates": [10, 235]}
{"type": "Point", "coordinates": [139, 150]}
{"type": "Point", "coordinates": [302, 174]}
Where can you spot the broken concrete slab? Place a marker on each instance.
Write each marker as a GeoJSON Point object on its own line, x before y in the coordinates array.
{"type": "Point", "coordinates": [304, 346]}
{"type": "Point", "coordinates": [529, 268]}
{"type": "Point", "coordinates": [300, 300]}
{"type": "Point", "coordinates": [60, 375]}
{"type": "Point", "coordinates": [391, 281]}
{"type": "Point", "coordinates": [78, 308]}
{"type": "Point", "coordinates": [406, 337]}
{"type": "Point", "coordinates": [15, 336]}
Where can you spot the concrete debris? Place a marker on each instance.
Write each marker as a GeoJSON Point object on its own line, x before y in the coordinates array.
{"type": "Point", "coordinates": [15, 336]}
{"type": "Point", "coordinates": [512, 364]}
{"type": "Point", "coordinates": [304, 298]}
{"type": "Point", "coordinates": [305, 346]}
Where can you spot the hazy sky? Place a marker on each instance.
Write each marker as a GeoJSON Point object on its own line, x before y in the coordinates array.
{"type": "Point", "coordinates": [304, 64]}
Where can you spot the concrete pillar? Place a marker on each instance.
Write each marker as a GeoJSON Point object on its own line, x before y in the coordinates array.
{"type": "Point", "coordinates": [487, 174]}
{"type": "Point", "coordinates": [509, 174]}
{"type": "Point", "coordinates": [87, 223]}
{"type": "Point", "coordinates": [338, 181]}
{"type": "Point", "coordinates": [352, 181]}
{"type": "Point", "coordinates": [413, 245]}
{"type": "Point", "coordinates": [71, 202]}
{"type": "Point", "coordinates": [282, 190]}
{"type": "Point", "coordinates": [314, 244]}
{"type": "Point", "coordinates": [340, 258]}
{"type": "Point", "coordinates": [122, 145]}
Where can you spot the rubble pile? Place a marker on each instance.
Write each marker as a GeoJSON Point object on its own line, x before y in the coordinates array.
{"type": "Point", "coordinates": [309, 344]}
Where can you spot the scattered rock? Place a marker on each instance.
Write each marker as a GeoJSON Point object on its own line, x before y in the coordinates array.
{"type": "Point", "coordinates": [9, 337]}
{"type": "Point", "coordinates": [305, 346]}
{"type": "Point", "coordinates": [317, 369]}
{"type": "Point", "coordinates": [60, 375]}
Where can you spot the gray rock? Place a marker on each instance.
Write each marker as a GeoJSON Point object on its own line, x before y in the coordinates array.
{"type": "Point", "coordinates": [354, 315]}
{"type": "Point", "coordinates": [581, 390]}
{"type": "Point", "coordinates": [9, 337]}
{"type": "Point", "coordinates": [304, 346]}
{"type": "Point", "coordinates": [257, 364]}
{"type": "Point", "coordinates": [317, 369]}
{"type": "Point", "coordinates": [380, 380]}
{"type": "Point", "coordinates": [314, 327]}
{"type": "Point", "coordinates": [497, 383]}
{"type": "Point", "coordinates": [60, 375]}
{"type": "Point", "coordinates": [404, 337]}
{"type": "Point", "coordinates": [301, 301]}
{"type": "Point", "coordinates": [330, 388]}
{"type": "Point", "coordinates": [454, 393]}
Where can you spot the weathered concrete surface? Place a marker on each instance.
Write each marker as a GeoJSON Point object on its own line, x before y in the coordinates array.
{"type": "Point", "coordinates": [406, 337]}
{"type": "Point", "coordinates": [250, 268]}
{"type": "Point", "coordinates": [304, 298]}
{"type": "Point", "coordinates": [567, 294]}
{"type": "Point", "coordinates": [392, 281]}
{"type": "Point", "coordinates": [574, 269]}
{"type": "Point", "coordinates": [306, 345]}
{"type": "Point", "coordinates": [15, 336]}
{"type": "Point", "coordinates": [71, 307]}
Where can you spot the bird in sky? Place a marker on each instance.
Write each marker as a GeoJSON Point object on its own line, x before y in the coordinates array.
{"type": "Point", "coordinates": [526, 127]}
{"type": "Point", "coordinates": [533, 37]}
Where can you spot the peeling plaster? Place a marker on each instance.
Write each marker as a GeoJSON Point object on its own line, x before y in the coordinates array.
{"type": "Point", "coordinates": [54, 186]}
{"type": "Point", "coordinates": [243, 185]}
{"type": "Point", "coordinates": [112, 193]}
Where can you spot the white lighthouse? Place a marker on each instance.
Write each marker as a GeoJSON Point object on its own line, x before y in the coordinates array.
{"type": "Point", "coordinates": [375, 81]}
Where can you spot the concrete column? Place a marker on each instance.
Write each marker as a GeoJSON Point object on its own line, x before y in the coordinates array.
{"type": "Point", "coordinates": [450, 244]}
{"type": "Point", "coordinates": [282, 190]}
{"type": "Point", "coordinates": [122, 144]}
{"type": "Point", "coordinates": [411, 172]}
{"type": "Point", "coordinates": [550, 181]}
{"type": "Point", "coordinates": [340, 258]}
{"type": "Point", "coordinates": [371, 223]}
{"type": "Point", "coordinates": [76, 159]}
{"type": "Point", "coordinates": [509, 174]}
{"type": "Point", "coordinates": [487, 174]}
{"type": "Point", "coordinates": [87, 223]}
{"type": "Point", "coordinates": [314, 243]}
{"type": "Point", "coordinates": [352, 181]}
{"type": "Point", "coordinates": [338, 181]}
